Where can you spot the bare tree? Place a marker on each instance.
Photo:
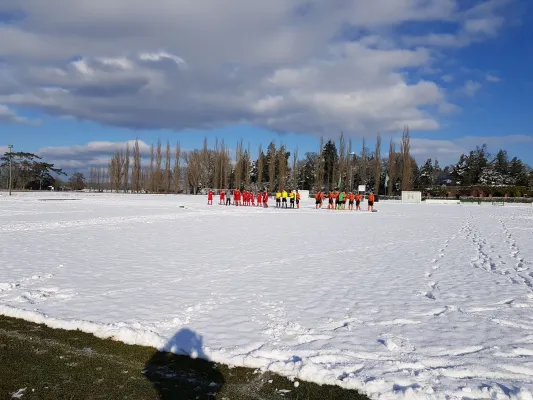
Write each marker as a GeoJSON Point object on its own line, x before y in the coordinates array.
{"type": "Point", "coordinates": [407, 169]}
{"type": "Point", "coordinates": [392, 167]}
{"type": "Point", "coordinates": [99, 178]}
{"type": "Point", "coordinates": [177, 168]}
{"type": "Point", "coordinates": [126, 169]}
{"type": "Point", "coordinates": [239, 165]}
{"type": "Point", "coordinates": [168, 171]}
{"type": "Point", "coordinates": [319, 168]}
{"type": "Point", "coordinates": [205, 166]}
{"type": "Point", "coordinates": [272, 161]}
{"type": "Point", "coordinates": [295, 168]}
{"type": "Point", "coordinates": [363, 163]}
{"type": "Point", "coordinates": [152, 169]}
{"type": "Point", "coordinates": [146, 178]}
{"type": "Point", "coordinates": [260, 166]}
{"type": "Point", "coordinates": [136, 172]}
{"type": "Point", "coordinates": [282, 167]}
{"type": "Point", "coordinates": [158, 179]}
{"type": "Point", "coordinates": [92, 177]}
{"type": "Point", "coordinates": [116, 170]}
{"type": "Point", "coordinates": [220, 165]}
{"type": "Point", "coordinates": [377, 172]}
{"type": "Point", "coordinates": [247, 161]}
{"type": "Point", "coordinates": [217, 166]}
{"type": "Point", "coordinates": [342, 165]}
{"type": "Point", "coordinates": [194, 170]}
{"type": "Point", "coordinates": [227, 165]}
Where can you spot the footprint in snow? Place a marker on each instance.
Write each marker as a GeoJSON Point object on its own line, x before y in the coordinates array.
{"type": "Point", "coordinates": [429, 295]}
{"type": "Point", "coordinates": [396, 343]}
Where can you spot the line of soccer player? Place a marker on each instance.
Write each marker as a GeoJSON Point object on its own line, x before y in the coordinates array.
{"type": "Point", "coordinates": [336, 200]}
{"type": "Point", "coordinates": [240, 198]}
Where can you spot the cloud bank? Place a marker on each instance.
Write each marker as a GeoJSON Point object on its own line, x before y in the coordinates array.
{"type": "Point", "coordinates": [302, 65]}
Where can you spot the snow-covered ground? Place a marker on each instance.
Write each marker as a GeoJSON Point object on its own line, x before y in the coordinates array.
{"type": "Point", "coordinates": [428, 301]}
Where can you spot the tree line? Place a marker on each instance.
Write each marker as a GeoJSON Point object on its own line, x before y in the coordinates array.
{"type": "Point", "coordinates": [166, 168]}
{"type": "Point", "coordinates": [28, 171]}
{"type": "Point", "coordinates": [334, 165]}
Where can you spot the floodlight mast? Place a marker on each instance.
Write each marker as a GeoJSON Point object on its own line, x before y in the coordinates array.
{"type": "Point", "coordinates": [10, 147]}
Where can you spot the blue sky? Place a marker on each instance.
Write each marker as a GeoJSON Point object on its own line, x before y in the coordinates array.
{"type": "Point", "coordinates": [456, 72]}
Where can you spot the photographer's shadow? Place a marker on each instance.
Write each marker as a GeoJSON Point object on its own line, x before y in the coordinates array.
{"type": "Point", "coordinates": [175, 375]}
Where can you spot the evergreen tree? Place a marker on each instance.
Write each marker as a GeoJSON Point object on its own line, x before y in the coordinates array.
{"type": "Point", "coordinates": [437, 171]}
{"type": "Point", "coordinates": [269, 172]}
{"type": "Point", "coordinates": [518, 172]}
{"type": "Point", "coordinates": [29, 171]}
{"type": "Point", "coordinates": [501, 163]}
{"type": "Point", "coordinates": [331, 160]}
{"type": "Point", "coordinates": [476, 161]}
{"type": "Point", "coordinates": [491, 177]}
{"type": "Point", "coordinates": [459, 170]}
{"type": "Point", "coordinates": [426, 175]}
{"type": "Point", "coordinates": [306, 171]}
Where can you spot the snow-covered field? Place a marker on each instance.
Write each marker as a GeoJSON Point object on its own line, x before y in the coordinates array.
{"type": "Point", "coordinates": [428, 301]}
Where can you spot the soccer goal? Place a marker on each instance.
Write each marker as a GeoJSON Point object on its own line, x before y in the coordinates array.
{"type": "Point", "coordinates": [411, 197]}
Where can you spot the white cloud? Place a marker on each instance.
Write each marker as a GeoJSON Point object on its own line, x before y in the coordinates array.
{"type": "Point", "coordinates": [8, 116]}
{"type": "Point", "coordinates": [442, 150]}
{"type": "Point", "coordinates": [449, 109]}
{"type": "Point", "coordinates": [470, 88]}
{"type": "Point", "coordinates": [91, 149]}
{"type": "Point", "coordinates": [492, 78]}
{"type": "Point", "coordinates": [286, 66]}
{"type": "Point", "coordinates": [92, 154]}
{"type": "Point", "coordinates": [482, 21]}
{"type": "Point", "coordinates": [449, 151]}
{"type": "Point", "coordinates": [494, 142]}
{"type": "Point", "coordinates": [447, 78]}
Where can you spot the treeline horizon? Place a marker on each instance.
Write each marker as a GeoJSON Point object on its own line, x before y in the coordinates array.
{"type": "Point", "coordinates": [172, 170]}
{"type": "Point", "coordinates": [169, 169]}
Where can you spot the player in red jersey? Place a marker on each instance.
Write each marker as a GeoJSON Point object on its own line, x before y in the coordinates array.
{"type": "Point", "coordinates": [265, 199]}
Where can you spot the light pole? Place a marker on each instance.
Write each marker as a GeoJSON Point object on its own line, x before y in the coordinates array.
{"type": "Point", "coordinates": [10, 147]}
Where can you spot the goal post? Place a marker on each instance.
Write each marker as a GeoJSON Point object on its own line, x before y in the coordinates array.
{"type": "Point", "coordinates": [411, 197]}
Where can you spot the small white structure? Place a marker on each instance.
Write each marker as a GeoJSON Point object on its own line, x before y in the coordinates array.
{"type": "Point", "coordinates": [361, 188]}
{"type": "Point", "coordinates": [411, 197]}
{"type": "Point", "coordinates": [304, 194]}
